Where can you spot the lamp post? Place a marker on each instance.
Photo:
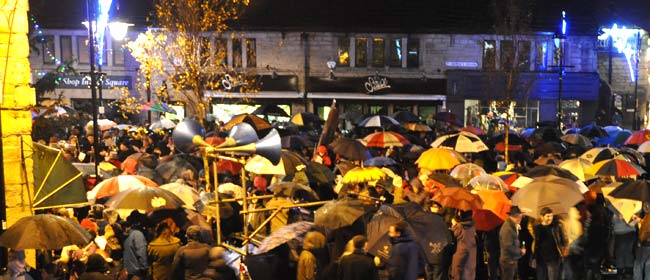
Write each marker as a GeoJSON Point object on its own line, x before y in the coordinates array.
{"type": "Point", "coordinates": [559, 43]}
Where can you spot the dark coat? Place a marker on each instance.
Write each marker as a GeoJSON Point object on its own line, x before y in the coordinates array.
{"type": "Point", "coordinates": [464, 259]}
{"type": "Point", "coordinates": [357, 266]}
{"type": "Point", "coordinates": [509, 241]}
{"type": "Point", "coordinates": [191, 260]}
{"type": "Point", "coordinates": [160, 253]}
{"type": "Point", "coordinates": [218, 270]}
{"type": "Point", "coordinates": [94, 276]}
{"type": "Point", "coordinates": [404, 258]}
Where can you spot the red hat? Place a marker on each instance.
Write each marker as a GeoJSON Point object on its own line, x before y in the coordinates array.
{"type": "Point", "coordinates": [322, 149]}
{"type": "Point", "coordinates": [129, 165]}
{"type": "Point", "coordinates": [260, 183]}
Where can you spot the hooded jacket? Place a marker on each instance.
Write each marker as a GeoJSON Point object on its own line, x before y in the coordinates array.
{"type": "Point", "coordinates": [308, 263]}
{"type": "Point", "coordinates": [404, 258]}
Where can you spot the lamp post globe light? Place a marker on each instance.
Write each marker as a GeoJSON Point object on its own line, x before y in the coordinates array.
{"type": "Point", "coordinates": [97, 23]}
{"type": "Point", "coordinates": [558, 40]}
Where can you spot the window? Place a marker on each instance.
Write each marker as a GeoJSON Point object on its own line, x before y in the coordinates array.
{"type": "Point", "coordinates": [507, 55]}
{"type": "Point", "coordinates": [221, 51]}
{"type": "Point", "coordinates": [523, 55]}
{"type": "Point", "coordinates": [378, 49]}
{"type": "Point", "coordinates": [540, 55]}
{"type": "Point", "coordinates": [251, 53]}
{"type": "Point", "coordinates": [489, 55]}
{"type": "Point", "coordinates": [204, 52]}
{"type": "Point", "coordinates": [118, 53]}
{"type": "Point", "coordinates": [361, 52]}
{"type": "Point", "coordinates": [82, 50]}
{"type": "Point", "coordinates": [344, 51]}
{"type": "Point", "coordinates": [47, 49]}
{"type": "Point", "coordinates": [236, 53]}
{"type": "Point", "coordinates": [413, 53]}
{"type": "Point", "coordinates": [395, 53]}
{"type": "Point", "coordinates": [66, 48]}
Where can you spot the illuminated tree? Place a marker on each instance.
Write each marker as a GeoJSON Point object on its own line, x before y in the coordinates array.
{"type": "Point", "coordinates": [179, 53]}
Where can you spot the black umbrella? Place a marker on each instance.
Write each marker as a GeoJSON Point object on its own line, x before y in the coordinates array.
{"type": "Point", "coordinates": [147, 199]}
{"type": "Point", "coordinates": [295, 142]}
{"type": "Point", "coordinates": [545, 134]}
{"type": "Point", "coordinates": [270, 110]}
{"type": "Point", "coordinates": [284, 235]}
{"type": "Point", "coordinates": [44, 231]}
{"type": "Point", "coordinates": [428, 229]}
{"type": "Point", "coordinates": [637, 190]}
{"type": "Point", "coordinates": [339, 213]}
{"type": "Point", "coordinates": [593, 131]}
{"type": "Point", "coordinates": [406, 117]}
{"type": "Point", "coordinates": [543, 170]}
{"type": "Point", "coordinates": [549, 148]}
{"type": "Point", "coordinates": [294, 190]}
{"type": "Point", "coordinates": [319, 173]}
{"type": "Point", "coordinates": [513, 139]}
{"type": "Point", "coordinates": [174, 168]}
{"type": "Point", "coordinates": [349, 148]}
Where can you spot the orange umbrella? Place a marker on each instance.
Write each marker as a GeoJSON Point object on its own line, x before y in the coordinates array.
{"type": "Point", "coordinates": [384, 139]}
{"type": "Point", "coordinates": [638, 137]}
{"type": "Point", "coordinates": [458, 198]}
{"type": "Point", "coordinates": [118, 184]}
{"type": "Point", "coordinates": [439, 159]}
{"type": "Point", "coordinates": [418, 127]}
{"type": "Point", "coordinates": [494, 212]}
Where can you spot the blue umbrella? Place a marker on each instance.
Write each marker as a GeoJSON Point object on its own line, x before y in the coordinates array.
{"type": "Point", "coordinates": [379, 161]}
{"type": "Point", "coordinates": [616, 138]}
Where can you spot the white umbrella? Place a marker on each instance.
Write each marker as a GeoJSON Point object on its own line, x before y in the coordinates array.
{"type": "Point", "coordinates": [104, 124]}
{"type": "Point", "coordinates": [557, 193]}
{"type": "Point", "coordinates": [163, 124]}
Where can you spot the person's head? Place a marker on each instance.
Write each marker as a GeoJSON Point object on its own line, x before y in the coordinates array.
{"type": "Point", "coordinates": [397, 229]}
{"type": "Point", "coordinates": [515, 214]}
{"type": "Point", "coordinates": [193, 233]}
{"type": "Point", "coordinates": [359, 242]}
{"type": "Point", "coordinates": [163, 230]}
{"type": "Point", "coordinates": [322, 150]}
{"type": "Point", "coordinates": [646, 207]}
{"type": "Point", "coordinates": [546, 216]}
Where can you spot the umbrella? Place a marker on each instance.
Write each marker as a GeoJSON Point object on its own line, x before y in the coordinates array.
{"type": "Point", "coordinates": [104, 124]}
{"type": "Point", "coordinates": [379, 161]}
{"type": "Point", "coordinates": [429, 230]}
{"type": "Point", "coordinates": [638, 137]}
{"type": "Point", "coordinates": [439, 158]}
{"type": "Point", "coordinates": [349, 149]}
{"type": "Point", "coordinates": [294, 190]}
{"type": "Point", "coordinates": [513, 139]}
{"type": "Point", "coordinates": [474, 130]}
{"type": "Point", "coordinates": [270, 110]}
{"type": "Point", "coordinates": [158, 107]}
{"type": "Point", "coordinates": [577, 139]}
{"type": "Point", "coordinates": [441, 180]}
{"type": "Point", "coordinates": [462, 142]}
{"type": "Point", "coordinates": [447, 117]}
{"type": "Point", "coordinates": [616, 168]}
{"type": "Point", "coordinates": [593, 131]}
{"type": "Point", "coordinates": [494, 212]}
{"type": "Point", "coordinates": [44, 231]}
{"type": "Point", "coordinates": [339, 213]}
{"type": "Point", "coordinates": [458, 198]}
{"type": "Point", "coordinates": [559, 194]}
{"type": "Point", "coordinates": [162, 124]}
{"type": "Point", "coordinates": [578, 167]}
{"type": "Point", "coordinates": [466, 171]}
{"type": "Point", "coordinates": [56, 111]}
{"type": "Point", "coordinates": [598, 154]}
{"type": "Point", "coordinates": [633, 189]}
{"type": "Point", "coordinates": [288, 162]}
{"type": "Point", "coordinates": [118, 184]}
{"type": "Point", "coordinates": [359, 175]}
{"type": "Point", "coordinates": [508, 177]}
{"type": "Point", "coordinates": [488, 182]}
{"type": "Point", "coordinates": [186, 193]}
{"type": "Point", "coordinates": [319, 173]}
{"type": "Point", "coordinates": [378, 121]}
{"type": "Point", "coordinates": [615, 138]}
{"type": "Point", "coordinates": [406, 117]}
{"type": "Point", "coordinates": [284, 235]}
{"type": "Point", "coordinates": [418, 127]}
{"type": "Point", "coordinates": [644, 147]}
{"type": "Point", "coordinates": [261, 126]}
{"type": "Point", "coordinates": [384, 139]}
{"type": "Point", "coordinates": [305, 119]}
{"type": "Point", "coordinates": [175, 167]}
{"type": "Point", "coordinates": [539, 171]}
{"type": "Point", "coordinates": [545, 134]}
{"type": "Point", "coordinates": [145, 199]}
{"type": "Point", "coordinates": [229, 188]}
{"type": "Point", "coordinates": [224, 166]}
{"type": "Point", "coordinates": [295, 142]}
{"type": "Point", "coordinates": [626, 207]}
{"type": "Point", "coordinates": [632, 155]}
{"type": "Point", "coordinates": [549, 148]}
{"type": "Point", "coordinates": [57, 183]}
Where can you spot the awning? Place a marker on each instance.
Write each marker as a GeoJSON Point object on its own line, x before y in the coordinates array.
{"type": "Point", "coordinates": [364, 96]}
{"type": "Point", "coordinates": [261, 94]}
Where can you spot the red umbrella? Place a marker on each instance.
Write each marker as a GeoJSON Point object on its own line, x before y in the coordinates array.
{"type": "Point", "coordinates": [638, 137]}
{"type": "Point", "coordinates": [118, 184]}
{"type": "Point", "coordinates": [494, 212]}
{"type": "Point", "coordinates": [458, 198]}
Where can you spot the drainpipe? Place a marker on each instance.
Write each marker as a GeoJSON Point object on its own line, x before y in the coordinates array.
{"type": "Point", "coordinates": [304, 37]}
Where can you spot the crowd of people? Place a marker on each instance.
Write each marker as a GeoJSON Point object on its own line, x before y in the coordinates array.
{"type": "Point", "coordinates": [589, 240]}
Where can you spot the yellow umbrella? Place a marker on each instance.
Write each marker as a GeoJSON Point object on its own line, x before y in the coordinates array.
{"type": "Point", "coordinates": [260, 165]}
{"type": "Point", "coordinates": [578, 167]}
{"type": "Point", "coordinates": [439, 158]}
{"type": "Point", "coordinates": [419, 127]}
{"type": "Point", "coordinates": [363, 175]}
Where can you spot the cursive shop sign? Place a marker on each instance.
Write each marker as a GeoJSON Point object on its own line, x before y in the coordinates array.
{"type": "Point", "coordinates": [376, 85]}
{"type": "Point", "coordinates": [108, 82]}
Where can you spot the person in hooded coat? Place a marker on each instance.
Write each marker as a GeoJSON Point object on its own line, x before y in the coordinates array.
{"type": "Point", "coordinates": [192, 259]}
{"type": "Point", "coordinates": [217, 268]}
{"type": "Point", "coordinates": [404, 258]}
{"type": "Point", "coordinates": [96, 268]}
{"type": "Point", "coordinates": [308, 262]}
{"type": "Point", "coordinates": [161, 251]}
{"type": "Point", "coordinates": [463, 264]}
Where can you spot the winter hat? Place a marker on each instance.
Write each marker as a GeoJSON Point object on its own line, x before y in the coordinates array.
{"type": "Point", "coordinates": [130, 165]}
{"type": "Point", "coordinates": [260, 183]}
{"type": "Point", "coordinates": [193, 232]}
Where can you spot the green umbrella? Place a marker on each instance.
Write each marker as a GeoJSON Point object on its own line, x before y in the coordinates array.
{"type": "Point", "coordinates": [57, 183]}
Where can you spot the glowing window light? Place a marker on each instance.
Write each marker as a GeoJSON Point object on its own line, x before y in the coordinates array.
{"type": "Point", "coordinates": [625, 41]}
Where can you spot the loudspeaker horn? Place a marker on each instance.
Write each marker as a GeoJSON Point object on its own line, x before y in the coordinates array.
{"type": "Point", "coordinates": [240, 134]}
{"type": "Point", "coordinates": [188, 135]}
{"type": "Point", "coordinates": [269, 147]}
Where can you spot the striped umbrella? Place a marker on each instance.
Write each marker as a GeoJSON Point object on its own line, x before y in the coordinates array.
{"type": "Point", "coordinates": [378, 121]}
{"type": "Point", "coordinates": [462, 142]}
{"type": "Point", "coordinates": [638, 137]}
{"type": "Point", "coordinates": [119, 184]}
{"type": "Point", "coordinates": [578, 167]}
{"type": "Point", "coordinates": [385, 139]}
{"type": "Point", "coordinates": [616, 168]}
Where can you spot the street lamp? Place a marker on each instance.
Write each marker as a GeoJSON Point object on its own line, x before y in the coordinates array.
{"type": "Point", "coordinates": [97, 23]}
{"type": "Point", "coordinates": [559, 39]}
{"type": "Point", "coordinates": [331, 64]}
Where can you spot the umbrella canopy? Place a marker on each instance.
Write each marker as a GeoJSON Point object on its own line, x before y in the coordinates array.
{"type": "Point", "coordinates": [44, 231]}
{"type": "Point", "coordinates": [578, 167]}
{"type": "Point", "coordinates": [644, 147]}
{"type": "Point", "coordinates": [615, 138]}
{"type": "Point", "coordinates": [104, 124]}
{"type": "Point", "coordinates": [598, 154]}
{"type": "Point", "coordinates": [379, 161]}
{"type": "Point", "coordinates": [418, 127]}
{"type": "Point", "coordinates": [284, 235]}
{"type": "Point", "coordinates": [175, 167]}
{"type": "Point", "coordinates": [458, 198]}
{"type": "Point", "coordinates": [294, 191]}
{"type": "Point", "coordinates": [147, 199]}
{"type": "Point", "coordinates": [349, 149]}
{"type": "Point", "coordinates": [378, 121]}
{"type": "Point", "coordinates": [549, 148]}
{"type": "Point", "coordinates": [474, 130]}
{"type": "Point", "coordinates": [616, 168]}
{"type": "Point", "coordinates": [638, 137]}
{"type": "Point", "coordinates": [513, 139]}
{"type": "Point", "coordinates": [57, 183]}
{"type": "Point", "coordinates": [545, 134]}
{"type": "Point", "coordinates": [261, 126]}
{"type": "Point", "coordinates": [488, 182]}
{"type": "Point", "coordinates": [593, 131]}
{"type": "Point", "coordinates": [494, 212]}
{"type": "Point", "coordinates": [626, 207]}
{"type": "Point", "coordinates": [466, 171]}
{"type": "Point", "coordinates": [447, 117]}
{"type": "Point", "coordinates": [270, 110]}
{"type": "Point", "coordinates": [158, 107]}
{"type": "Point", "coordinates": [186, 193]}
{"type": "Point", "coordinates": [577, 139]}
{"type": "Point", "coordinates": [118, 184]}
{"type": "Point", "coordinates": [631, 155]}
{"type": "Point", "coordinates": [384, 139]}
{"type": "Point", "coordinates": [306, 119]}
{"type": "Point", "coordinates": [288, 162]}
{"type": "Point", "coordinates": [539, 171]}
{"type": "Point", "coordinates": [558, 193]}
{"type": "Point", "coordinates": [339, 213]}
{"type": "Point", "coordinates": [439, 159]}
{"type": "Point", "coordinates": [441, 180]}
{"type": "Point", "coordinates": [406, 117]}
{"type": "Point", "coordinates": [360, 175]}
{"type": "Point", "coordinates": [162, 124]}
{"type": "Point", "coordinates": [56, 111]}
{"type": "Point", "coordinates": [462, 142]}
{"type": "Point", "coordinates": [428, 229]}
{"type": "Point", "coordinates": [236, 191]}
{"type": "Point", "coordinates": [319, 173]}
{"type": "Point", "coordinates": [295, 142]}
{"type": "Point", "coordinates": [636, 190]}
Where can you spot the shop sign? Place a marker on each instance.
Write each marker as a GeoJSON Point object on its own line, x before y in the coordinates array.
{"type": "Point", "coordinates": [376, 84]}
{"type": "Point", "coordinates": [108, 82]}
{"type": "Point", "coordinates": [461, 64]}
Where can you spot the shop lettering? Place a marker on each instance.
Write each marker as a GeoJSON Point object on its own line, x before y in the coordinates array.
{"type": "Point", "coordinates": [108, 82]}
{"type": "Point", "coordinates": [228, 82]}
{"type": "Point", "coordinates": [376, 84]}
